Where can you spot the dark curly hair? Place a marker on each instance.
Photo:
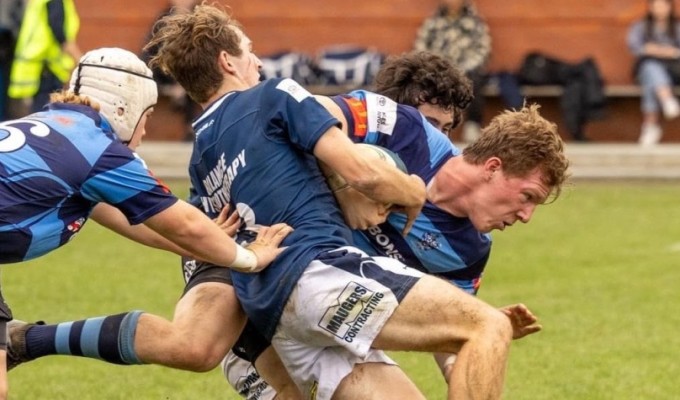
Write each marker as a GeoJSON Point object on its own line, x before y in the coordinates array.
{"type": "Point", "coordinates": [420, 77]}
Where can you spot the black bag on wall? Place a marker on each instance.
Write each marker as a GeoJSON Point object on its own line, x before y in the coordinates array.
{"type": "Point", "coordinates": [539, 69]}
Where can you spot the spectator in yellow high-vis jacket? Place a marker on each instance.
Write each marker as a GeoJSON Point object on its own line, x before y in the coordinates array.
{"type": "Point", "coordinates": [44, 55]}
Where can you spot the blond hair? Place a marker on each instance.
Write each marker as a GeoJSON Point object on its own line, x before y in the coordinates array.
{"type": "Point", "coordinates": [68, 97]}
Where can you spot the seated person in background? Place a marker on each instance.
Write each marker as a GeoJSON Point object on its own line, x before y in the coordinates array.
{"type": "Point", "coordinates": [655, 41]}
{"type": "Point", "coordinates": [458, 33]}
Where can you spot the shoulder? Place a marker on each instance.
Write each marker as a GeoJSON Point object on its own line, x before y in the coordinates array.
{"type": "Point", "coordinates": [286, 87]}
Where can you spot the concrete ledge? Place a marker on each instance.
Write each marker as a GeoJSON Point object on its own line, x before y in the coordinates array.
{"type": "Point", "coordinates": [169, 160]}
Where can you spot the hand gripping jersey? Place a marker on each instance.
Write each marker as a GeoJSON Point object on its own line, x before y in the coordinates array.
{"type": "Point", "coordinates": [439, 243]}
{"type": "Point", "coordinates": [253, 150]}
{"type": "Point", "coordinates": [55, 166]}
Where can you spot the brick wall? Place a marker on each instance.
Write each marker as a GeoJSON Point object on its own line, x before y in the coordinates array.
{"type": "Point", "coordinates": [569, 30]}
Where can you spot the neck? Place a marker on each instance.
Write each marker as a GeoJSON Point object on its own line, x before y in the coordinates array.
{"type": "Point", "coordinates": [452, 186]}
{"type": "Point", "coordinates": [229, 84]}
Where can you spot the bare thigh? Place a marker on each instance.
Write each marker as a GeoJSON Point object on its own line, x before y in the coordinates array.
{"type": "Point", "coordinates": [206, 324]}
{"type": "Point", "coordinates": [377, 381]}
{"type": "Point", "coordinates": [435, 316]}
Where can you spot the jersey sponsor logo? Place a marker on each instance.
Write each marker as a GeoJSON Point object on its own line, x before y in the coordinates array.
{"type": "Point", "coordinates": [294, 89]}
{"type": "Point", "coordinates": [382, 113]}
{"type": "Point", "coordinates": [218, 182]}
{"type": "Point", "coordinates": [384, 243]}
{"type": "Point", "coordinates": [354, 307]}
{"type": "Point", "coordinates": [76, 225]}
{"type": "Point", "coordinates": [204, 127]}
{"type": "Point", "coordinates": [429, 241]}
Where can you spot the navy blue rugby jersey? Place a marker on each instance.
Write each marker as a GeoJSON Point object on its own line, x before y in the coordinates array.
{"type": "Point", "coordinates": [254, 151]}
{"type": "Point", "coordinates": [439, 243]}
{"type": "Point", "coordinates": [55, 166]}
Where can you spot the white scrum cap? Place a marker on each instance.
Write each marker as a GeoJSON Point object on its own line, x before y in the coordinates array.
{"type": "Point", "coordinates": [120, 82]}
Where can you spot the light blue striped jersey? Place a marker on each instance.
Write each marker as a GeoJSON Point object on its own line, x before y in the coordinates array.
{"type": "Point", "coordinates": [439, 243]}
{"type": "Point", "coordinates": [55, 166]}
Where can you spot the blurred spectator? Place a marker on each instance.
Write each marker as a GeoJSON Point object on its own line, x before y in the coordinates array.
{"type": "Point", "coordinates": [457, 32]}
{"type": "Point", "coordinates": [44, 55]}
{"type": "Point", "coordinates": [167, 86]}
{"type": "Point", "coordinates": [655, 41]}
{"type": "Point", "coordinates": [10, 21]}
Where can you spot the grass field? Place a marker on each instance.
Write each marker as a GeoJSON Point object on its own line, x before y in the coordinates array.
{"type": "Point", "coordinates": [600, 267]}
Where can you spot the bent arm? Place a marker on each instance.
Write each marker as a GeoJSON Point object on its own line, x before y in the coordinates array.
{"type": "Point", "coordinates": [379, 181]}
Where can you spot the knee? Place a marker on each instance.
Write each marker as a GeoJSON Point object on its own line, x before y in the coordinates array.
{"type": "Point", "coordinates": [496, 325]}
{"type": "Point", "coordinates": [201, 357]}
{"type": "Point", "coordinates": [652, 73]}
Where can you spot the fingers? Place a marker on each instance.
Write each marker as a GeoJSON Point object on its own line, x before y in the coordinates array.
{"type": "Point", "coordinates": [228, 223]}
{"type": "Point", "coordinates": [526, 331]}
{"type": "Point", "coordinates": [273, 235]}
{"type": "Point", "coordinates": [410, 221]}
{"type": "Point", "coordinates": [520, 312]}
{"type": "Point", "coordinates": [234, 219]}
{"type": "Point", "coordinates": [224, 214]}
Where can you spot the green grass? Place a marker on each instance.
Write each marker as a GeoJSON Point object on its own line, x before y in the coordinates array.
{"type": "Point", "coordinates": [599, 267]}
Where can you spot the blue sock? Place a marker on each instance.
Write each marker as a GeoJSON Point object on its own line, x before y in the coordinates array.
{"type": "Point", "coordinates": [108, 338]}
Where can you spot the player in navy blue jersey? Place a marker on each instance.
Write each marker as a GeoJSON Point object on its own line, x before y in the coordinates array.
{"type": "Point", "coordinates": [58, 164]}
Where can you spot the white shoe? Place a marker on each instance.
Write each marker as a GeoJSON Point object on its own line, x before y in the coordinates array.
{"type": "Point", "coordinates": [671, 108]}
{"type": "Point", "coordinates": [471, 131]}
{"type": "Point", "coordinates": [650, 135]}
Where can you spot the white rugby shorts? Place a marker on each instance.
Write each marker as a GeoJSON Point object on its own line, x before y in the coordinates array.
{"type": "Point", "coordinates": [338, 308]}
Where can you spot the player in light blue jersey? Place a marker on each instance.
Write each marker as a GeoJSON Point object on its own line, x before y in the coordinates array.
{"type": "Point", "coordinates": [58, 164]}
{"type": "Point", "coordinates": [439, 243]}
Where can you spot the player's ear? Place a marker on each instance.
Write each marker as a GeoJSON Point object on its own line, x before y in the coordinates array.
{"type": "Point", "coordinates": [224, 62]}
{"type": "Point", "coordinates": [493, 164]}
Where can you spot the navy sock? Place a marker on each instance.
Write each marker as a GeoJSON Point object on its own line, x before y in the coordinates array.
{"type": "Point", "coordinates": [109, 338]}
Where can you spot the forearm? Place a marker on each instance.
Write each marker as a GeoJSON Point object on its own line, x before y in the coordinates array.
{"type": "Point", "coordinates": [386, 184]}
{"type": "Point", "coordinates": [661, 51]}
{"type": "Point", "coordinates": [359, 167]}
{"type": "Point", "coordinates": [113, 219]}
{"type": "Point", "coordinates": [186, 227]}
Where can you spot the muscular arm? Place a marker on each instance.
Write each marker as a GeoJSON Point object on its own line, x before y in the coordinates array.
{"type": "Point", "coordinates": [381, 182]}
{"type": "Point", "coordinates": [112, 218]}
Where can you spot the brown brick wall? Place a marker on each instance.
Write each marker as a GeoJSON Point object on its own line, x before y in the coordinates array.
{"type": "Point", "coordinates": [569, 30]}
